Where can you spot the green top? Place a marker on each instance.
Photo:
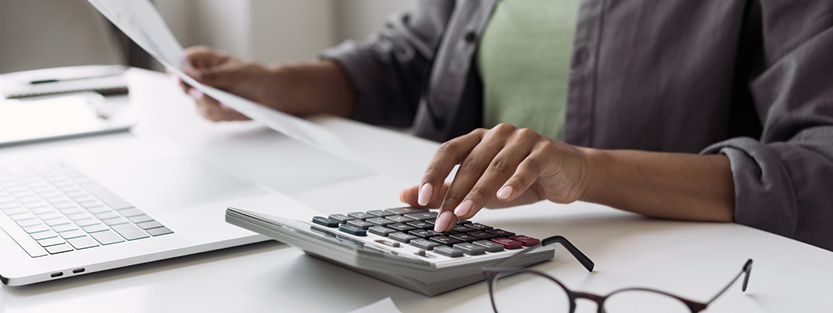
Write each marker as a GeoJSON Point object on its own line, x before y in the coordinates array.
{"type": "Point", "coordinates": [524, 61]}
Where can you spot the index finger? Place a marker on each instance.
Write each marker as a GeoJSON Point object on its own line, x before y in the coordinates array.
{"type": "Point", "coordinates": [448, 155]}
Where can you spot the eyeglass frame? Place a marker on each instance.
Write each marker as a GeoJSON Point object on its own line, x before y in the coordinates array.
{"type": "Point", "coordinates": [493, 273]}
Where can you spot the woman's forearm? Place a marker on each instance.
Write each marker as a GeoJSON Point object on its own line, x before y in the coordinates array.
{"type": "Point", "coordinates": [664, 185]}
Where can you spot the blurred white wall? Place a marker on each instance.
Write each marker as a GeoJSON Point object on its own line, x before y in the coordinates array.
{"type": "Point", "coordinates": [272, 31]}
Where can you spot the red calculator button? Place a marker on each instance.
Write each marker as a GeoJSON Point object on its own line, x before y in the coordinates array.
{"type": "Point", "coordinates": [508, 243]}
{"type": "Point", "coordinates": [527, 241]}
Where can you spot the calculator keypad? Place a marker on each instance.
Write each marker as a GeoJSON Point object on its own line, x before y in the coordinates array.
{"type": "Point", "coordinates": [414, 226]}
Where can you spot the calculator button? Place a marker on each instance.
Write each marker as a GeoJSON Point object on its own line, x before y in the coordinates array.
{"type": "Point", "coordinates": [401, 227]}
{"type": "Point", "coordinates": [470, 249]}
{"type": "Point", "coordinates": [341, 218]}
{"type": "Point", "coordinates": [406, 210]}
{"type": "Point", "coordinates": [508, 243]}
{"type": "Point", "coordinates": [380, 213]}
{"type": "Point", "coordinates": [448, 251]}
{"type": "Point", "coordinates": [424, 233]}
{"type": "Point", "coordinates": [360, 215]}
{"type": "Point", "coordinates": [500, 232]}
{"type": "Point", "coordinates": [379, 221]}
{"type": "Point", "coordinates": [463, 222]}
{"type": "Point", "coordinates": [424, 244]}
{"type": "Point", "coordinates": [526, 241]}
{"type": "Point", "coordinates": [359, 223]}
{"type": "Point", "coordinates": [462, 229]}
{"type": "Point", "coordinates": [445, 240]}
{"type": "Point", "coordinates": [464, 237]}
{"type": "Point", "coordinates": [324, 221]}
{"type": "Point", "coordinates": [482, 235]}
{"type": "Point", "coordinates": [381, 231]}
{"type": "Point", "coordinates": [420, 225]}
{"type": "Point", "coordinates": [423, 215]}
{"type": "Point", "coordinates": [399, 218]}
{"type": "Point", "coordinates": [353, 230]}
{"type": "Point", "coordinates": [478, 226]}
{"type": "Point", "coordinates": [490, 246]}
{"type": "Point", "coordinates": [402, 237]}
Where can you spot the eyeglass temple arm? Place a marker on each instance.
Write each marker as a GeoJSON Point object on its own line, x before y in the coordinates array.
{"type": "Point", "coordinates": [583, 259]}
{"type": "Point", "coordinates": [747, 268]}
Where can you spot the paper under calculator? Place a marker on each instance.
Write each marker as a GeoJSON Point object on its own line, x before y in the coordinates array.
{"type": "Point", "coordinates": [399, 245]}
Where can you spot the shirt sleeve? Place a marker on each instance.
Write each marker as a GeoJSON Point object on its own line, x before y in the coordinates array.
{"type": "Point", "coordinates": [387, 70]}
{"type": "Point", "coordinates": [784, 180]}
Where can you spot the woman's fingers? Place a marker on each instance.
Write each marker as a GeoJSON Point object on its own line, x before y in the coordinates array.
{"type": "Point", "coordinates": [448, 155]}
{"type": "Point", "coordinates": [501, 167]}
{"type": "Point", "coordinates": [212, 110]}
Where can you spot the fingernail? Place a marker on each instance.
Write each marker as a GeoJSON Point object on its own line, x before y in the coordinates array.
{"type": "Point", "coordinates": [224, 106]}
{"type": "Point", "coordinates": [425, 194]}
{"type": "Point", "coordinates": [174, 79]}
{"type": "Point", "coordinates": [196, 94]}
{"type": "Point", "coordinates": [463, 208]}
{"type": "Point", "coordinates": [505, 192]}
{"type": "Point", "coordinates": [442, 221]}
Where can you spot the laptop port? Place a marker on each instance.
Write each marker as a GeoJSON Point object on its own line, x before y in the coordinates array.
{"type": "Point", "coordinates": [57, 274]}
{"type": "Point", "coordinates": [78, 270]}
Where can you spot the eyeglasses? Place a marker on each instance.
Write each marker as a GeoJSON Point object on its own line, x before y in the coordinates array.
{"type": "Point", "coordinates": [512, 288]}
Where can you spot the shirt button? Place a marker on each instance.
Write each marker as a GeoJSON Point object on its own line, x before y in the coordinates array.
{"type": "Point", "coordinates": [580, 57]}
{"type": "Point", "coordinates": [470, 37]}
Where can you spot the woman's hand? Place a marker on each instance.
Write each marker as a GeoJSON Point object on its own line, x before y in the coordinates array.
{"type": "Point", "coordinates": [500, 167]}
{"type": "Point", "coordinates": [298, 89]}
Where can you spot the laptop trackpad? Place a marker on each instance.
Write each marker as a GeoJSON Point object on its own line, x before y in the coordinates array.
{"type": "Point", "coordinates": [172, 183]}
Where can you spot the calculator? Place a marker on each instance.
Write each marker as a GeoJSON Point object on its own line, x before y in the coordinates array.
{"type": "Point", "coordinates": [399, 245]}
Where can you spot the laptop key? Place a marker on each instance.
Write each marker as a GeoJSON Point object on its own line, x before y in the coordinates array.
{"type": "Point", "coordinates": [43, 235]}
{"type": "Point", "coordinates": [115, 221]}
{"type": "Point", "coordinates": [57, 221]}
{"type": "Point", "coordinates": [97, 209]}
{"type": "Point", "coordinates": [107, 237]}
{"type": "Point", "coordinates": [130, 231]}
{"type": "Point", "coordinates": [160, 231]}
{"type": "Point", "coordinates": [79, 216]}
{"type": "Point", "coordinates": [36, 228]}
{"type": "Point", "coordinates": [94, 228]}
{"type": "Point", "coordinates": [150, 225]}
{"type": "Point", "coordinates": [64, 227]}
{"type": "Point", "coordinates": [29, 222]}
{"type": "Point", "coordinates": [106, 196]}
{"type": "Point", "coordinates": [46, 242]}
{"type": "Point", "coordinates": [83, 242]}
{"type": "Point", "coordinates": [131, 212]}
{"type": "Point", "coordinates": [87, 222]}
{"type": "Point", "coordinates": [106, 215]}
{"type": "Point", "coordinates": [61, 248]}
{"type": "Point", "coordinates": [140, 219]}
{"type": "Point", "coordinates": [73, 234]}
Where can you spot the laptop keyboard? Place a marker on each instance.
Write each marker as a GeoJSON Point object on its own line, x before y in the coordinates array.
{"type": "Point", "coordinates": [414, 226]}
{"type": "Point", "coordinates": [53, 208]}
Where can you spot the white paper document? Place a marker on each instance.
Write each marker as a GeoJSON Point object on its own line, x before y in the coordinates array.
{"type": "Point", "coordinates": [140, 21]}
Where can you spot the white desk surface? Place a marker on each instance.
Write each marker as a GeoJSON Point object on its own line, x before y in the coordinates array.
{"type": "Point", "coordinates": [693, 260]}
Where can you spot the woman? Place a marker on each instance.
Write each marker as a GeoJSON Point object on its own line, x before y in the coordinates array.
{"type": "Point", "coordinates": [724, 106]}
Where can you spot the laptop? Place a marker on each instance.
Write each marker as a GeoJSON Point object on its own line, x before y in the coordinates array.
{"type": "Point", "coordinates": [122, 200]}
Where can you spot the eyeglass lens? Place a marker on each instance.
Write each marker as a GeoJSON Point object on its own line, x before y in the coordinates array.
{"type": "Point", "coordinates": [632, 301]}
{"type": "Point", "coordinates": [528, 293]}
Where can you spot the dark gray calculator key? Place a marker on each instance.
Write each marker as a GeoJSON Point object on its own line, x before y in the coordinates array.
{"type": "Point", "coordinates": [380, 213]}
{"type": "Point", "coordinates": [465, 237]}
{"type": "Point", "coordinates": [359, 223]}
{"type": "Point", "coordinates": [406, 210]}
{"type": "Point", "coordinates": [360, 215]}
{"type": "Point", "coordinates": [500, 232]}
{"type": "Point", "coordinates": [399, 218]}
{"type": "Point", "coordinates": [423, 215]}
{"type": "Point", "coordinates": [424, 244]}
{"type": "Point", "coordinates": [353, 230]}
{"type": "Point", "coordinates": [489, 245]}
{"type": "Point", "coordinates": [420, 225]}
{"type": "Point", "coordinates": [482, 235]}
{"type": "Point", "coordinates": [478, 226]}
{"type": "Point", "coordinates": [401, 227]}
{"type": "Point", "coordinates": [463, 222]}
{"type": "Point", "coordinates": [380, 230]}
{"type": "Point", "coordinates": [402, 237]}
{"type": "Point", "coordinates": [470, 249]}
{"type": "Point", "coordinates": [341, 218]}
{"type": "Point", "coordinates": [381, 221]}
{"type": "Point", "coordinates": [448, 251]}
{"type": "Point", "coordinates": [325, 221]}
{"type": "Point", "coordinates": [462, 229]}
{"type": "Point", "coordinates": [445, 240]}
{"type": "Point", "coordinates": [424, 233]}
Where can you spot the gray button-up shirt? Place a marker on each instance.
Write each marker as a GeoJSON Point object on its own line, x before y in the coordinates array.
{"type": "Point", "coordinates": [750, 79]}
